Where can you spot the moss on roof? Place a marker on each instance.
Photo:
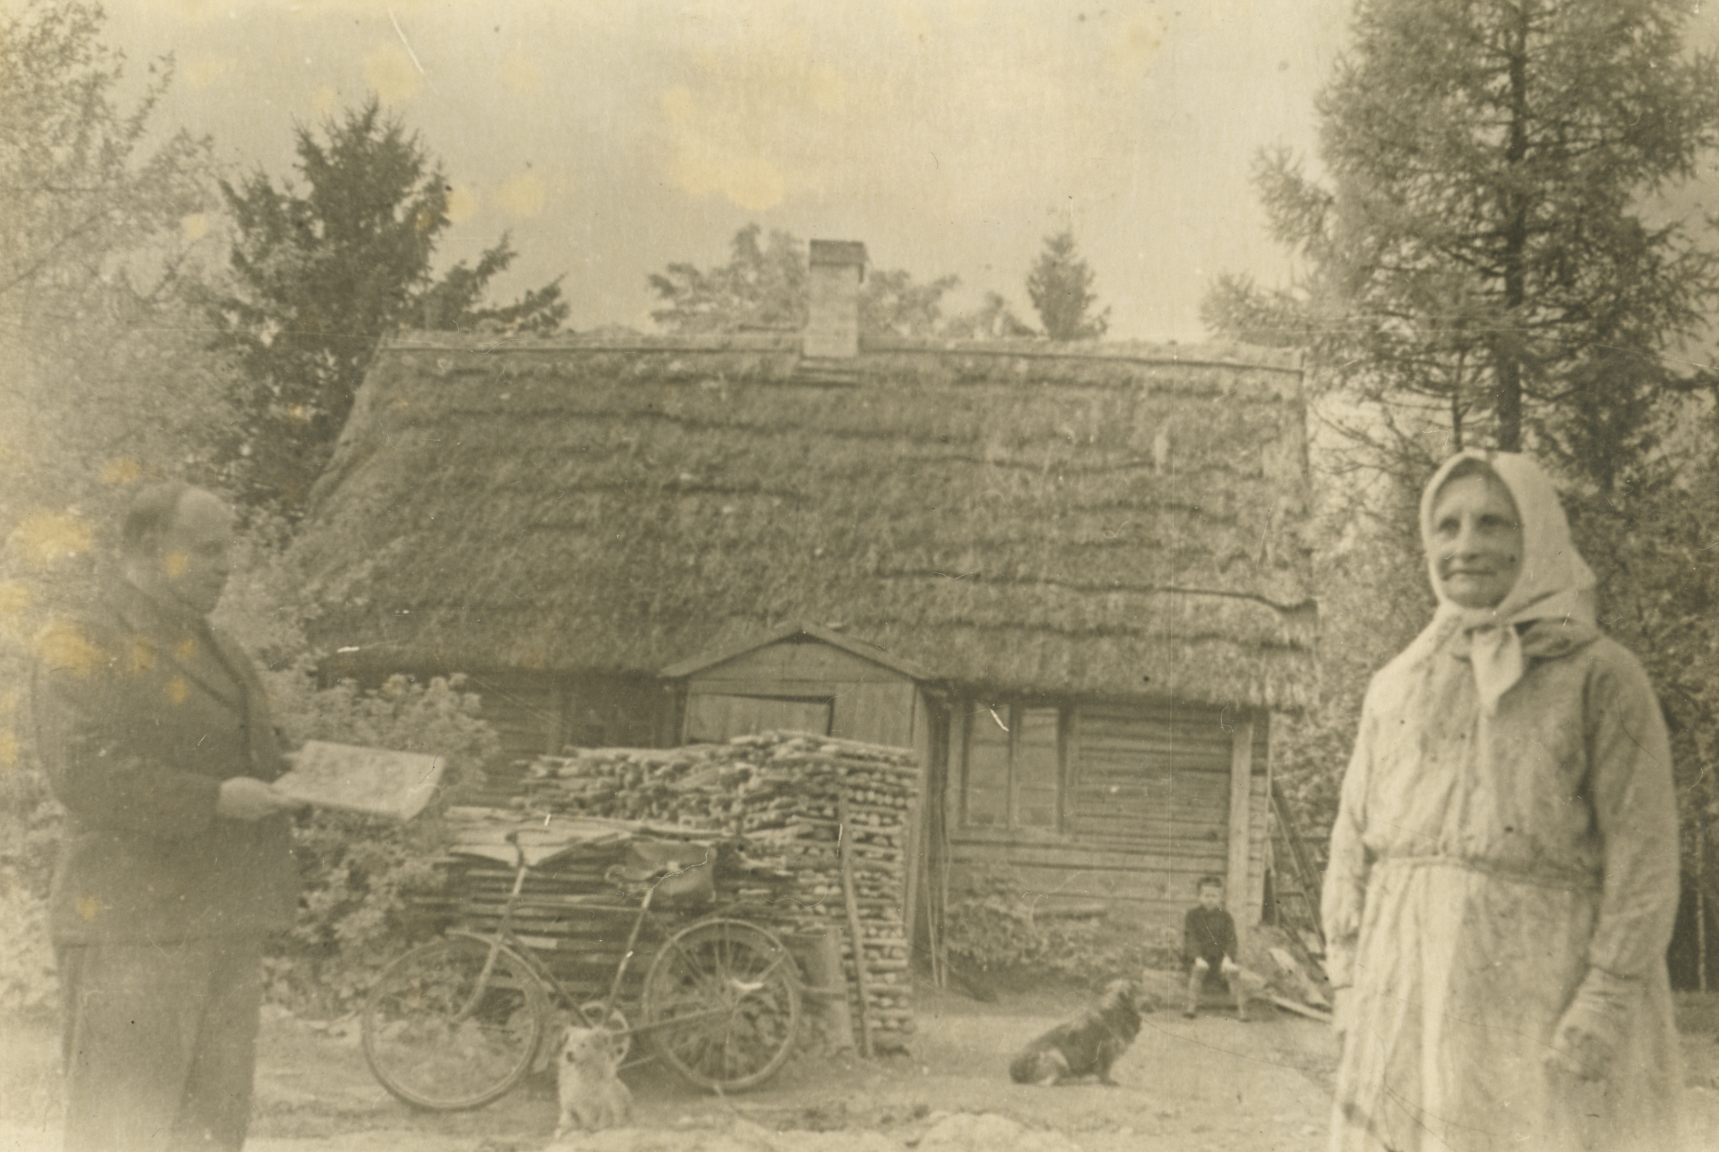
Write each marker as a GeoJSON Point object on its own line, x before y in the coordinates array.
{"type": "Point", "coordinates": [1104, 520]}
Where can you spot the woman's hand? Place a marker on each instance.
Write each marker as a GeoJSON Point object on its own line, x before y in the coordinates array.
{"type": "Point", "coordinates": [1592, 1028]}
{"type": "Point", "coordinates": [1579, 1051]}
{"type": "Point", "coordinates": [1584, 1044]}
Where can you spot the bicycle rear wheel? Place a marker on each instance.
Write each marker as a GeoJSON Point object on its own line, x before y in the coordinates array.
{"type": "Point", "coordinates": [453, 1025]}
{"type": "Point", "coordinates": [722, 1004]}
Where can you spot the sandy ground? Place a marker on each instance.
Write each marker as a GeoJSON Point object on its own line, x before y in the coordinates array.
{"type": "Point", "coordinates": [1209, 1083]}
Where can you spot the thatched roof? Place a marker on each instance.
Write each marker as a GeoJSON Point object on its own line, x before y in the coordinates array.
{"type": "Point", "coordinates": [1102, 520]}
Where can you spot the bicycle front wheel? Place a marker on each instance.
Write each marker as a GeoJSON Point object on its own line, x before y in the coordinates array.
{"type": "Point", "coordinates": [454, 1025]}
{"type": "Point", "coordinates": [722, 1004]}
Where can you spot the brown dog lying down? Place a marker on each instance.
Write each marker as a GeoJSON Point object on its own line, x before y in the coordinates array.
{"type": "Point", "coordinates": [1086, 1045]}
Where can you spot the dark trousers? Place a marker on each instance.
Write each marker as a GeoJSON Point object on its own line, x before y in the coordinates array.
{"type": "Point", "coordinates": [159, 1044]}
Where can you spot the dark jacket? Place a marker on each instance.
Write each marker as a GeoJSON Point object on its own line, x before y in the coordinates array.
{"type": "Point", "coordinates": [140, 714]}
{"type": "Point", "coordinates": [1209, 934]}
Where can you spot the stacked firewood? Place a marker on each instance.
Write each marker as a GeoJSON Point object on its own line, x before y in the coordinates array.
{"type": "Point", "coordinates": [789, 807]}
{"type": "Point", "coordinates": [860, 794]}
{"type": "Point", "coordinates": [697, 785]}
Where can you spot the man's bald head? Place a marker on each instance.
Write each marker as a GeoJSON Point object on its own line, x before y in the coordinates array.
{"type": "Point", "coordinates": [176, 540]}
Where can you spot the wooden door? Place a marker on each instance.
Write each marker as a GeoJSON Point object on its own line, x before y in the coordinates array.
{"type": "Point", "coordinates": [714, 717]}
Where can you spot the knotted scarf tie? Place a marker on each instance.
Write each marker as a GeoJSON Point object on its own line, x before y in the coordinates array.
{"type": "Point", "coordinates": [1495, 650]}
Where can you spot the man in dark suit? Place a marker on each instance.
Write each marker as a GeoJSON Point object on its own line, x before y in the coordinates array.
{"type": "Point", "coordinates": [175, 860]}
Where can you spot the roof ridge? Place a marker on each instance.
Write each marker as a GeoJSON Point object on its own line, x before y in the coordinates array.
{"type": "Point", "coordinates": [1202, 355]}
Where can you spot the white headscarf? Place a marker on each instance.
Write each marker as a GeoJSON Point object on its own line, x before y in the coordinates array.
{"type": "Point", "coordinates": [1553, 582]}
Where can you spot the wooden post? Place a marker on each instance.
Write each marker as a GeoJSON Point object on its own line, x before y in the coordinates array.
{"type": "Point", "coordinates": [862, 983]}
{"type": "Point", "coordinates": [1241, 793]}
{"type": "Point", "coordinates": [933, 940]}
{"type": "Point", "coordinates": [829, 991]}
{"type": "Point", "coordinates": [913, 882]}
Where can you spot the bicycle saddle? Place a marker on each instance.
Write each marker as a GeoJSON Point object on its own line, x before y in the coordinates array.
{"type": "Point", "coordinates": [641, 874]}
{"type": "Point", "coordinates": [675, 870]}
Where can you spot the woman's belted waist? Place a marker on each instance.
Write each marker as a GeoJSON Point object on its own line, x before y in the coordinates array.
{"type": "Point", "coordinates": [1568, 879]}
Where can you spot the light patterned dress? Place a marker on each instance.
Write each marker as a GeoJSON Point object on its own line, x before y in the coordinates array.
{"type": "Point", "coordinates": [1488, 871]}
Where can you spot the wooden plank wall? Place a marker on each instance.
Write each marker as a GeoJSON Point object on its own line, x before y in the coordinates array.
{"type": "Point", "coordinates": [1145, 816]}
{"type": "Point", "coordinates": [870, 702]}
{"type": "Point", "coordinates": [712, 717]}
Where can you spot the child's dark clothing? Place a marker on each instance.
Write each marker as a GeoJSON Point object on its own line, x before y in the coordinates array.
{"type": "Point", "coordinates": [1208, 934]}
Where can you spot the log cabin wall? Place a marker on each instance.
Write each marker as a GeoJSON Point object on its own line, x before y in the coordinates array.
{"type": "Point", "coordinates": [617, 712]}
{"type": "Point", "coordinates": [541, 712]}
{"type": "Point", "coordinates": [1127, 804]}
{"type": "Point", "coordinates": [523, 707]}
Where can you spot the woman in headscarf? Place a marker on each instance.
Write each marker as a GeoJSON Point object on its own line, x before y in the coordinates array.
{"type": "Point", "coordinates": [1504, 866]}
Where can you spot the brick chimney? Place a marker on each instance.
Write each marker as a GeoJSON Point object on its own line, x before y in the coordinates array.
{"type": "Point", "coordinates": [832, 307]}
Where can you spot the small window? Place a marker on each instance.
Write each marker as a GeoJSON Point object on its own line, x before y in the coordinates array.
{"type": "Point", "coordinates": [1012, 768]}
{"type": "Point", "coordinates": [987, 800]}
{"type": "Point", "coordinates": [1037, 767]}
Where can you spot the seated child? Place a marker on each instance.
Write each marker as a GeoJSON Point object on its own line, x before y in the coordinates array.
{"type": "Point", "coordinates": [1209, 947]}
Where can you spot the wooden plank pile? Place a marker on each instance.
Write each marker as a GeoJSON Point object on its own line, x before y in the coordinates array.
{"type": "Point", "coordinates": [781, 808]}
{"type": "Point", "coordinates": [568, 913]}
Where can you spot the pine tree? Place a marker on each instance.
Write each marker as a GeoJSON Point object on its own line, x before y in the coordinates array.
{"type": "Point", "coordinates": [322, 273]}
{"type": "Point", "coordinates": [1060, 287]}
{"type": "Point", "coordinates": [1480, 260]}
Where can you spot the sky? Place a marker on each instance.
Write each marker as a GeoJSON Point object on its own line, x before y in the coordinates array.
{"type": "Point", "coordinates": [611, 137]}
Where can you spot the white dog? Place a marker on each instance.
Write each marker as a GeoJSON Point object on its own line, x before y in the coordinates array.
{"type": "Point", "coordinates": [592, 1095]}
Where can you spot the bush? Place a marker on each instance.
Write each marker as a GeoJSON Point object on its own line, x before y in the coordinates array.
{"type": "Point", "coordinates": [29, 829]}
{"type": "Point", "coordinates": [29, 834]}
{"type": "Point", "coordinates": [360, 873]}
{"type": "Point", "coordinates": [995, 926]}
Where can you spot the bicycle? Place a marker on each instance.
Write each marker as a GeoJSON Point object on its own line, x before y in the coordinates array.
{"type": "Point", "coordinates": [457, 1023]}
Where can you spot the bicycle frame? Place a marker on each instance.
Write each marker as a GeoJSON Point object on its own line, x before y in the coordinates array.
{"type": "Point", "coordinates": [505, 937]}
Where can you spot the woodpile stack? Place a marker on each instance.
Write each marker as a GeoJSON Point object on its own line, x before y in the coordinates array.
{"type": "Point", "coordinates": [842, 799]}
{"type": "Point", "coordinates": [697, 786]}
{"type": "Point", "coordinates": [788, 813]}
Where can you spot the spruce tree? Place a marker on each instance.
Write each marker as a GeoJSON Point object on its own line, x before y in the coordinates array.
{"type": "Point", "coordinates": [1060, 287]}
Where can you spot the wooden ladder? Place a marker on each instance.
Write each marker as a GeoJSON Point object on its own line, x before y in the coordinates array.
{"type": "Point", "coordinates": [1297, 903]}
